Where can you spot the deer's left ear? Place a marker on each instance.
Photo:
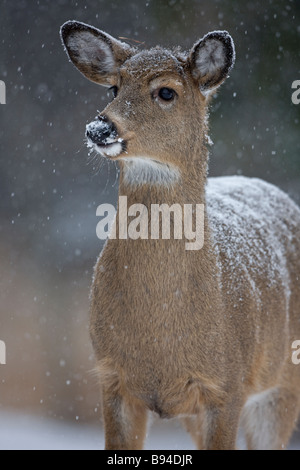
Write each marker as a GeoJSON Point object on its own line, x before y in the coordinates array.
{"type": "Point", "coordinates": [211, 59]}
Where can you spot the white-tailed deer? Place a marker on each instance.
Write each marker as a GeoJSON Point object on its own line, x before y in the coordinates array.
{"type": "Point", "coordinates": [202, 335]}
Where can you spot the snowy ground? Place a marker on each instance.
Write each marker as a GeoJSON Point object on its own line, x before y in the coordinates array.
{"type": "Point", "coordinates": [22, 432]}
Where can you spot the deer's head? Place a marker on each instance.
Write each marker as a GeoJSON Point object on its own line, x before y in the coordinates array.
{"type": "Point", "coordinates": [156, 122]}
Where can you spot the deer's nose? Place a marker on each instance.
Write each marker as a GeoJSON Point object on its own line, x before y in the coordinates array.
{"type": "Point", "coordinates": [102, 131]}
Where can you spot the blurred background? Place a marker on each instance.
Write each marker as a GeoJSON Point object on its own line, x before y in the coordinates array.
{"type": "Point", "coordinates": [49, 189]}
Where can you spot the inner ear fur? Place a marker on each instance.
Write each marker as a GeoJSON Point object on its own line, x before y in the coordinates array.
{"type": "Point", "coordinates": [96, 54]}
{"type": "Point", "coordinates": [211, 59]}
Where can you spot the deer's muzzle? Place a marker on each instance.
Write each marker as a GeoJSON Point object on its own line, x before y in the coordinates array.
{"type": "Point", "coordinates": [102, 136]}
{"type": "Point", "coordinates": [102, 131]}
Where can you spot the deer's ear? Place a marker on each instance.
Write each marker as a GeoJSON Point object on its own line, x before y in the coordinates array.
{"type": "Point", "coordinates": [97, 55]}
{"type": "Point", "coordinates": [211, 60]}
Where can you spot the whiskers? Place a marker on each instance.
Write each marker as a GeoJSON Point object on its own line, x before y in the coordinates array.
{"type": "Point", "coordinates": [95, 160]}
{"type": "Point", "coordinates": [99, 162]}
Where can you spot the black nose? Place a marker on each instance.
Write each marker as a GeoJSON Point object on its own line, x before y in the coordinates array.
{"type": "Point", "coordinates": [102, 131]}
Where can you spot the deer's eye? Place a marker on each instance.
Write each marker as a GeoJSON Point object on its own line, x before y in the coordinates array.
{"type": "Point", "coordinates": [114, 91]}
{"type": "Point", "coordinates": [166, 94]}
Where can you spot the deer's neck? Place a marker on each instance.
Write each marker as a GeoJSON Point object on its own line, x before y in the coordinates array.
{"type": "Point", "coordinates": [148, 182]}
{"type": "Point", "coordinates": [166, 265]}
{"type": "Point", "coordinates": [181, 202]}
{"type": "Point", "coordinates": [178, 194]}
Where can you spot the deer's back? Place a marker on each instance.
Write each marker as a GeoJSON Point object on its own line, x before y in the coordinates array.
{"type": "Point", "coordinates": [256, 232]}
{"type": "Point", "coordinates": [255, 226]}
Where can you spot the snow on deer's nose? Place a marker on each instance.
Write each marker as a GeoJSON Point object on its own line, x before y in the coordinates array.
{"type": "Point", "coordinates": [102, 131]}
{"type": "Point", "coordinates": [102, 136]}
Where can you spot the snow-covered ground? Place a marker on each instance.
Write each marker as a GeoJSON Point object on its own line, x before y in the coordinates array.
{"type": "Point", "coordinates": [25, 432]}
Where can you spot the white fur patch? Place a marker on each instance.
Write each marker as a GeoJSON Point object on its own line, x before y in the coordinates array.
{"type": "Point", "coordinates": [113, 149]}
{"type": "Point", "coordinates": [210, 57]}
{"type": "Point", "coordinates": [91, 49]}
{"type": "Point", "coordinates": [142, 170]}
{"type": "Point", "coordinates": [258, 419]}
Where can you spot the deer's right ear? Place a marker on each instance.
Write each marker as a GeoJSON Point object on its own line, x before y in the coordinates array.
{"type": "Point", "coordinates": [97, 55]}
{"type": "Point", "coordinates": [211, 60]}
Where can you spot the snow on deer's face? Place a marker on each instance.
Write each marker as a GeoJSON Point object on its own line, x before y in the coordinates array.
{"type": "Point", "coordinates": [156, 122]}
{"type": "Point", "coordinates": [152, 106]}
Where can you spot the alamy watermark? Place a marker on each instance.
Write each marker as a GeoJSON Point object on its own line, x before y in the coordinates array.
{"type": "Point", "coordinates": [296, 352]}
{"type": "Point", "coordinates": [2, 92]}
{"type": "Point", "coordinates": [161, 221]}
{"type": "Point", "coordinates": [296, 94]}
{"type": "Point", "coordinates": [2, 353]}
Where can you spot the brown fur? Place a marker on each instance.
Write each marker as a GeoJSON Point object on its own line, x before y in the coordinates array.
{"type": "Point", "coordinates": [183, 333]}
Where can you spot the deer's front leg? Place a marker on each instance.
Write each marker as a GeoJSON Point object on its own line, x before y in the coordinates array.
{"type": "Point", "coordinates": [223, 427]}
{"type": "Point", "coordinates": [125, 421]}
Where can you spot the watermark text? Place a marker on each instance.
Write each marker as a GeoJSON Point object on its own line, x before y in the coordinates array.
{"type": "Point", "coordinates": [2, 353]}
{"type": "Point", "coordinates": [296, 352]}
{"type": "Point", "coordinates": [160, 221]}
{"type": "Point", "coordinates": [2, 92]}
{"type": "Point", "coordinates": [296, 94]}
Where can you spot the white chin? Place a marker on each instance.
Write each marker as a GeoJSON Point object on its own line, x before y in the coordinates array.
{"type": "Point", "coordinates": [111, 150]}
{"type": "Point", "coordinates": [143, 170]}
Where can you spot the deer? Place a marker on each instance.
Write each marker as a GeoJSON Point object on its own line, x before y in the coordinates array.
{"type": "Point", "coordinates": [203, 336]}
